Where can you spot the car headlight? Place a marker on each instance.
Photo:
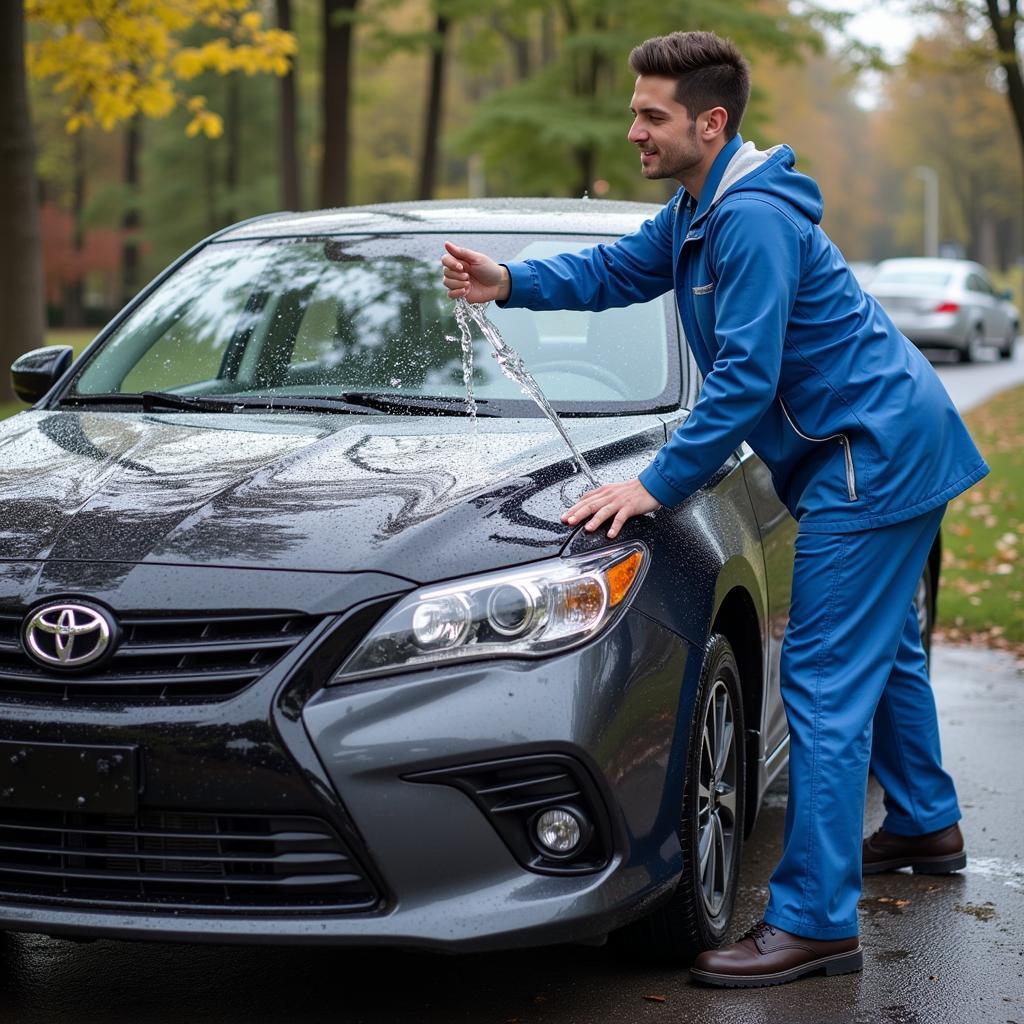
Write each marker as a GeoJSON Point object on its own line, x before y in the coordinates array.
{"type": "Point", "coordinates": [527, 612]}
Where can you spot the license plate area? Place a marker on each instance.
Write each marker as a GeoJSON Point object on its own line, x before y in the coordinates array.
{"type": "Point", "coordinates": [69, 777]}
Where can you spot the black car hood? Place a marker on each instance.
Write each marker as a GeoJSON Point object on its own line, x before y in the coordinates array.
{"type": "Point", "coordinates": [422, 497]}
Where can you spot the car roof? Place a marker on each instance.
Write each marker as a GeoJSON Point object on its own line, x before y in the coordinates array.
{"type": "Point", "coordinates": [449, 216]}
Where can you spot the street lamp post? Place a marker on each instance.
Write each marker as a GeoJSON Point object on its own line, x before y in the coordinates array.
{"type": "Point", "coordinates": [931, 209]}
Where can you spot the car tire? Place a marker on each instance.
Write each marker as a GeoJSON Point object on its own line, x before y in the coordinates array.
{"type": "Point", "coordinates": [1006, 352]}
{"type": "Point", "coordinates": [924, 605]}
{"type": "Point", "coordinates": [974, 347]}
{"type": "Point", "coordinates": [697, 915]}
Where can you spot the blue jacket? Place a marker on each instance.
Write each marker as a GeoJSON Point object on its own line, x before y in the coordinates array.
{"type": "Point", "coordinates": [850, 418]}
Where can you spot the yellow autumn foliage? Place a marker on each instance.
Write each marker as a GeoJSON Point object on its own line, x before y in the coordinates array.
{"type": "Point", "coordinates": [114, 59]}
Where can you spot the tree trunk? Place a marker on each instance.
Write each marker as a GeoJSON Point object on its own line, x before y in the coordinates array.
{"type": "Point", "coordinates": [1005, 29]}
{"type": "Point", "coordinates": [21, 267]}
{"type": "Point", "coordinates": [337, 91]}
{"type": "Point", "coordinates": [548, 38]}
{"type": "Point", "coordinates": [74, 293]}
{"type": "Point", "coordinates": [131, 220]}
{"type": "Point", "coordinates": [288, 122]}
{"type": "Point", "coordinates": [435, 102]}
{"type": "Point", "coordinates": [233, 157]}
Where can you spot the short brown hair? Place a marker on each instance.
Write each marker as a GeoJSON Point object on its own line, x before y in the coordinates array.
{"type": "Point", "coordinates": [709, 72]}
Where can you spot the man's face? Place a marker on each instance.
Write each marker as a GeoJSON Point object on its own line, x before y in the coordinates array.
{"type": "Point", "coordinates": [662, 129]}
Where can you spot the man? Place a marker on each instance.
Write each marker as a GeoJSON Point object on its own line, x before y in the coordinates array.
{"type": "Point", "coordinates": [865, 449]}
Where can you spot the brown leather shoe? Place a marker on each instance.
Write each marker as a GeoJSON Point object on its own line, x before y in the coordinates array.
{"type": "Point", "coordinates": [767, 955]}
{"type": "Point", "coordinates": [934, 853]}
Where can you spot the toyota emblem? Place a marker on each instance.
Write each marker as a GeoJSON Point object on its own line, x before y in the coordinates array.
{"type": "Point", "coordinates": [67, 635]}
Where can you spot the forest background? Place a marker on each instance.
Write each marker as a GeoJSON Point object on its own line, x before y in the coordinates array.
{"type": "Point", "coordinates": [341, 102]}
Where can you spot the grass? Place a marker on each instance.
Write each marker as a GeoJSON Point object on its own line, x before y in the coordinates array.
{"type": "Point", "coordinates": [76, 338]}
{"type": "Point", "coordinates": [981, 598]}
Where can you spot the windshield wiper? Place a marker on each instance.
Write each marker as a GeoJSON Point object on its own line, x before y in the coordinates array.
{"type": "Point", "coordinates": [150, 400]}
{"type": "Point", "coordinates": [231, 403]}
{"type": "Point", "coordinates": [348, 401]}
{"type": "Point", "coordinates": [441, 405]}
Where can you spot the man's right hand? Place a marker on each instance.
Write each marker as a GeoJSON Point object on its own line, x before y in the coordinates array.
{"type": "Point", "coordinates": [473, 276]}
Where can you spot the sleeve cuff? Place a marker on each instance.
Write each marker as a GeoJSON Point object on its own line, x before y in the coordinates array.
{"type": "Point", "coordinates": [523, 286]}
{"type": "Point", "coordinates": [659, 488]}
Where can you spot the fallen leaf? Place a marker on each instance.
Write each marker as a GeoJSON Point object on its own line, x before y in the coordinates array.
{"type": "Point", "coordinates": [656, 999]}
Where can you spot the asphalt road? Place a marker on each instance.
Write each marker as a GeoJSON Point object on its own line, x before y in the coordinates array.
{"type": "Point", "coordinates": [938, 950]}
{"type": "Point", "coordinates": [970, 385]}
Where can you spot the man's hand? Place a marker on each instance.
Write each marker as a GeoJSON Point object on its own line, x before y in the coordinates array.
{"type": "Point", "coordinates": [473, 276]}
{"type": "Point", "coordinates": [618, 500]}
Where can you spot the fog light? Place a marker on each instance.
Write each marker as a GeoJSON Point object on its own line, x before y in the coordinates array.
{"type": "Point", "coordinates": [559, 830]}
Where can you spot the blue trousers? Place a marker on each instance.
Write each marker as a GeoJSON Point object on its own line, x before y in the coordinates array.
{"type": "Point", "coordinates": [856, 692]}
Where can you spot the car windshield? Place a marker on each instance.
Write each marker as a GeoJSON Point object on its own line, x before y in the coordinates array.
{"type": "Point", "coordinates": [909, 275]}
{"type": "Point", "coordinates": [324, 318]}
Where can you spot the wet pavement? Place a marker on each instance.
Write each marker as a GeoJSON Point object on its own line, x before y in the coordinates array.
{"type": "Point", "coordinates": [938, 950]}
{"type": "Point", "coordinates": [970, 385]}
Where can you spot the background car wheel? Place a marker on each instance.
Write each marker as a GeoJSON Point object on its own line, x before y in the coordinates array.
{"type": "Point", "coordinates": [974, 350]}
{"type": "Point", "coordinates": [697, 915]}
{"type": "Point", "coordinates": [924, 605]}
{"type": "Point", "coordinates": [1006, 352]}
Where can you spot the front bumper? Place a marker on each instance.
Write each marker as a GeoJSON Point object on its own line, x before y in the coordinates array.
{"type": "Point", "coordinates": [447, 879]}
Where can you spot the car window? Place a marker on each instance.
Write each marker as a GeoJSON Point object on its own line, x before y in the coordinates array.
{"type": "Point", "coordinates": [317, 317]}
{"type": "Point", "coordinates": [912, 276]}
{"type": "Point", "coordinates": [976, 283]}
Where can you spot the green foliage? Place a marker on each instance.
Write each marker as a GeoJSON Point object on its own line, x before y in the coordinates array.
{"type": "Point", "coordinates": [564, 126]}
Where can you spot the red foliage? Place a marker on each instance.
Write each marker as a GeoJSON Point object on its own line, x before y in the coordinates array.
{"type": "Point", "coordinates": [63, 265]}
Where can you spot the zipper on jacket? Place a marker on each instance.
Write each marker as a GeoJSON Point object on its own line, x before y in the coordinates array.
{"type": "Point", "coordinates": [844, 443]}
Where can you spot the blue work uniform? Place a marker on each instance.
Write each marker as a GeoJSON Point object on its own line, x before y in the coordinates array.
{"type": "Point", "coordinates": [865, 449]}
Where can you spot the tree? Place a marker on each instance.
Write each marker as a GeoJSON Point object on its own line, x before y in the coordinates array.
{"type": "Point", "coordinates": [1005, 21]}
{"type": "Point", "coordinates": [942, 113]}
{"type": "Point", "coordinates": [435, 96]}
{"type": "Point", "coordinates": [120, 62]}
{"type": "Point", "coordinates": [288, 121]}
{"type": "Point", "coordinates": [338, 26]}
{"type": "Point", "coordinates": [563, 128]}
{"type": "Point", "coordinates": [121, 59]}
{"type": "Point", "coordinates": [994, 39]}
{"type": "Point", "coordinates": [21, 277]}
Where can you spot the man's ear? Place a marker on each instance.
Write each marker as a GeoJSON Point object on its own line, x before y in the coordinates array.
{"type": "Point", "coordinates": [712, 123]}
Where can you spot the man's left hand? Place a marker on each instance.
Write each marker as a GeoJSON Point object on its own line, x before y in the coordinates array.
{"type": "Point", "coordinates": [618, 500]}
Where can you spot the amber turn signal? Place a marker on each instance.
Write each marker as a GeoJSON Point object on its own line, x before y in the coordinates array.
{"type": "Point", "coordinates": [621, 576]}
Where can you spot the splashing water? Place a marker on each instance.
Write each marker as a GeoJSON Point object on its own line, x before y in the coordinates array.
{"type": "Point", "coordinates": [465, 340]}
{"type": "Point", "coordinates": [513, 367]}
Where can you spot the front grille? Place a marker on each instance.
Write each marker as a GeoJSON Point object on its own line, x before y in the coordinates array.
{"type": "Point", "coordinates": [162, 859]}
{"type": "Point", "coordinates": [168, 656]}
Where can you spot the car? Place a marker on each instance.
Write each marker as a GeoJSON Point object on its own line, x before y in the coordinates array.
{"type": "Point", "coordinates": [947, 304]}
{"type": "Point", "coordinates": [295, 650]}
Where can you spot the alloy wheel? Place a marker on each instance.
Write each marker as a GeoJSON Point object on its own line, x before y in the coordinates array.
{"type": "Point", "coordinates": [716, 798]}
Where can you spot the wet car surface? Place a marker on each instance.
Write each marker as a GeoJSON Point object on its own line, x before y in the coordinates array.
{"type": "Point", "coordinates": [358, 684]}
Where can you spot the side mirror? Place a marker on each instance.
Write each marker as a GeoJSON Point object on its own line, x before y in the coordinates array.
{"type": "Point", "coordinates": [34, 373]}
{"type": "Point", "coordinates": [1006, 295]}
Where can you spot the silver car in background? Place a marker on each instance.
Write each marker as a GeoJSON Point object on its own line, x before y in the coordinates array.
{"type": "Point", "coordinates": [944, 303]}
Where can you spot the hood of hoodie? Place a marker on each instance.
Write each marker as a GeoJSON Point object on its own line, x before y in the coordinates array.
{"type": "Point", "coordinates": [742, 167]}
